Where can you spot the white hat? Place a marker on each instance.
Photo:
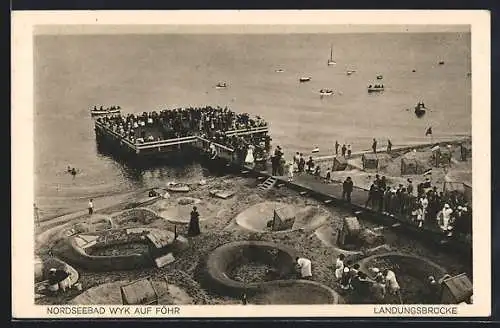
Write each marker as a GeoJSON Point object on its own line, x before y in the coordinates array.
{"type": "Point", "coordinates": [375, 270]}
{"type": "Point", "coordinates": [52, 270]}
{"type": "Point", "coordinates": [446, 206]}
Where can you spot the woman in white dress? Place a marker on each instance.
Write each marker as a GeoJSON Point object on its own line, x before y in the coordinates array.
{"type": "Point", "coordinates": [391, 282]}
{"type": "Point", "coordinates": [249, 160]}
{"type": "Point", "coordinates": [339, 266]}
{"type": "Point", "coordinates": [291, 168]}
{"type": "Point", "coordinates": [446, 215]}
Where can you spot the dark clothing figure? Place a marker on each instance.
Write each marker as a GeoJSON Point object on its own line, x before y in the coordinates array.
{"type": "Point", "coordinates": [347, 189]}
{"type": "Point", "coordinates": [276, 161]}
{"type": "Point", "coordinates": [389, 146]}
{"type": "Point", "coordinates": [194, 223]}
{"type": "Point", "coordinates": [274, 165]}
{"type": "Point", "coordinates": [302, 164]}
{"type": "Point", "coordinates": [463, 153]}
{"type": "Point", "coordinates": [372, 194]}
{"type": "Point", "coordinates": [310, 165]}
{"type": "Point", "coordinates": [374, 146]}
{"type": "Point", "coordinates": [344, 149]}
{"type": "Point", "coordinates": [57, 276]}
{"type": "Point", "coordinates": [409, 188]}
{"type": "Point", "coordinates": [317, 171]}
{"type": "Point", "coordinates": [336, 147]}
{"type": "Point", "coordinates": [281, 166]}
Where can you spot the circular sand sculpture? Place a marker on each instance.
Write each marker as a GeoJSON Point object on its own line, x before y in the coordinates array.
{"type": "Point", "coordinates": [94, 223]}
{"type": "Point", "coordinates": [135, 217]}
{"type": "Point", "coordinates": [110, 294]}
{"type": "Point", "coordinates": [117, 249]}
{"type": "Point", "coordinates": [179, 209]}
{"type": "Point", "coordinates": [295, 292]}
{"type": "Point", "coordinates": [279, 217]}
{"type": "Point", "coordinates": [328, 236]}
{"type": "Point", "coordinates": [244, 266]}
{"type": "Point", "coordinates": [42, 268]}
{"type": "Point", "coordinates": [411, 271]}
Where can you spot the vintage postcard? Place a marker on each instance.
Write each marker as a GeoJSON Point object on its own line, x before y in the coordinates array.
{"type": "Point", "coordinates": [251, 164]}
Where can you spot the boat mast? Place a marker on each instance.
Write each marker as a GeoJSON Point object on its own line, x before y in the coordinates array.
{"type": "Point", "coordinates": [331, 53]}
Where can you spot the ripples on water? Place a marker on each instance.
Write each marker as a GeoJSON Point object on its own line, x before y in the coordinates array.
{"type": "Point", "coordinates": [147, 72]}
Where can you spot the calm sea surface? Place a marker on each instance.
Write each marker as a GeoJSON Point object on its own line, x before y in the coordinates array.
{"type": "Point", "coordinates": [148, 72]}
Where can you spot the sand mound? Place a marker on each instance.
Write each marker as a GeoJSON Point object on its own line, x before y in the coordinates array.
{"type": "Point", "coordinates": [328, 237]}
{"type": "Point", "coordinates": [110, 294]}
{"type": "Point", "coordinates": [256, 217]}
{"type": "Point", "coordinates": [179, 210]}
{"type": "Point", "coordinates": [411, 272]}
{"type": "Point", "coordinates": [134, 217]}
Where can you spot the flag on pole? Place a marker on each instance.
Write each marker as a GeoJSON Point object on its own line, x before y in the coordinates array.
{"type": "Point", "coordinates": [429, 131]}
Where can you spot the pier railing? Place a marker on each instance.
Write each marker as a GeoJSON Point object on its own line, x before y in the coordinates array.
{"type": "Point", "coordinates": [165, 143]}
{"type": "Point", "coordinates": [240, 132]}
{"type": "Point", "coordinates": [202, 143]}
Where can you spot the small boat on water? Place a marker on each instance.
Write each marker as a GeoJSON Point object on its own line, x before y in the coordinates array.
{"type": "Point", "coordinates": [350, 72]}
{"type": "Point", "coordinates": [420, 109]}
{"type": "Point", "coordinates": [177, 187]}
{"type": "Point", "coordinates": [441, 62]}
{"type": "Point", "coordinates": [105, 111]}
{"type": "Point", "coordinates": [315, 150]}
{"type": "Point", "coordinates": [379, 77]}
{"type": "Point", "coordinates": [305, 79]}
{"type": "Point", "coordinates": [376, 88]}
{"type": "Point", "coordinates": [221, 85]}
{"type": "Point", "coordinates": [279, 70]}
{"type": "Point", "coordinates": [330, 60]}
{"type": "Point", "coordinates": [326, 92]}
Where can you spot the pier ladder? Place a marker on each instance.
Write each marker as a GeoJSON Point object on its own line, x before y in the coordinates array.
{"type": "Point", "coordinates": [267, 184]}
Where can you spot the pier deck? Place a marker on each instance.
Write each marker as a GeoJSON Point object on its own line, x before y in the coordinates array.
{"type": "Point", "coordinates": [159, 146]}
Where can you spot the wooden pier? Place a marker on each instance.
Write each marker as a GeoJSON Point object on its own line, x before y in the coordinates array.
{"type": "Point", "coordinates": [174, 145]}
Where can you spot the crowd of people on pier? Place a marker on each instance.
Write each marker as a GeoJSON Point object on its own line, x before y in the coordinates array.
{"type": "Point", "coordinates": [425, 205]}
{"type": "Point", "coordinates": [181, 122]}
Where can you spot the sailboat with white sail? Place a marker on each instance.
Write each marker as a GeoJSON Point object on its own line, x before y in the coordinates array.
{"type": "Point", "coordinates": [330, 60]}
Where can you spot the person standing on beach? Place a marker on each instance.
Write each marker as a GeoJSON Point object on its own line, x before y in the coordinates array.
{"type": "Point", "coordinates": [349, 151]}
{"type": "Point", "coordinates": [194, 223]}
{"type": "Point", "coordinates": [336, 147]}
{"type": "Point", "coordinates": [389, 146]}
{"type": "Point", "coordinates": [372, 194]}
{"type": "Point", "coordinates": [347, 189]}
{"type": "Point", "coordinates": [374, 146]}
{"type": "Point", "coordinates": [344, 149]}
{"type": "Point", "coordinates": [290, 171]}
{"type": "Point", "coordinates": [302, 163]}
{"type": "Point", "coordinates": [91, 207]}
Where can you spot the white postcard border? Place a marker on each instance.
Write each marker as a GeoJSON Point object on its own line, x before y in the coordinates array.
{"type": "Point", "coordinates": [81, 22]}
